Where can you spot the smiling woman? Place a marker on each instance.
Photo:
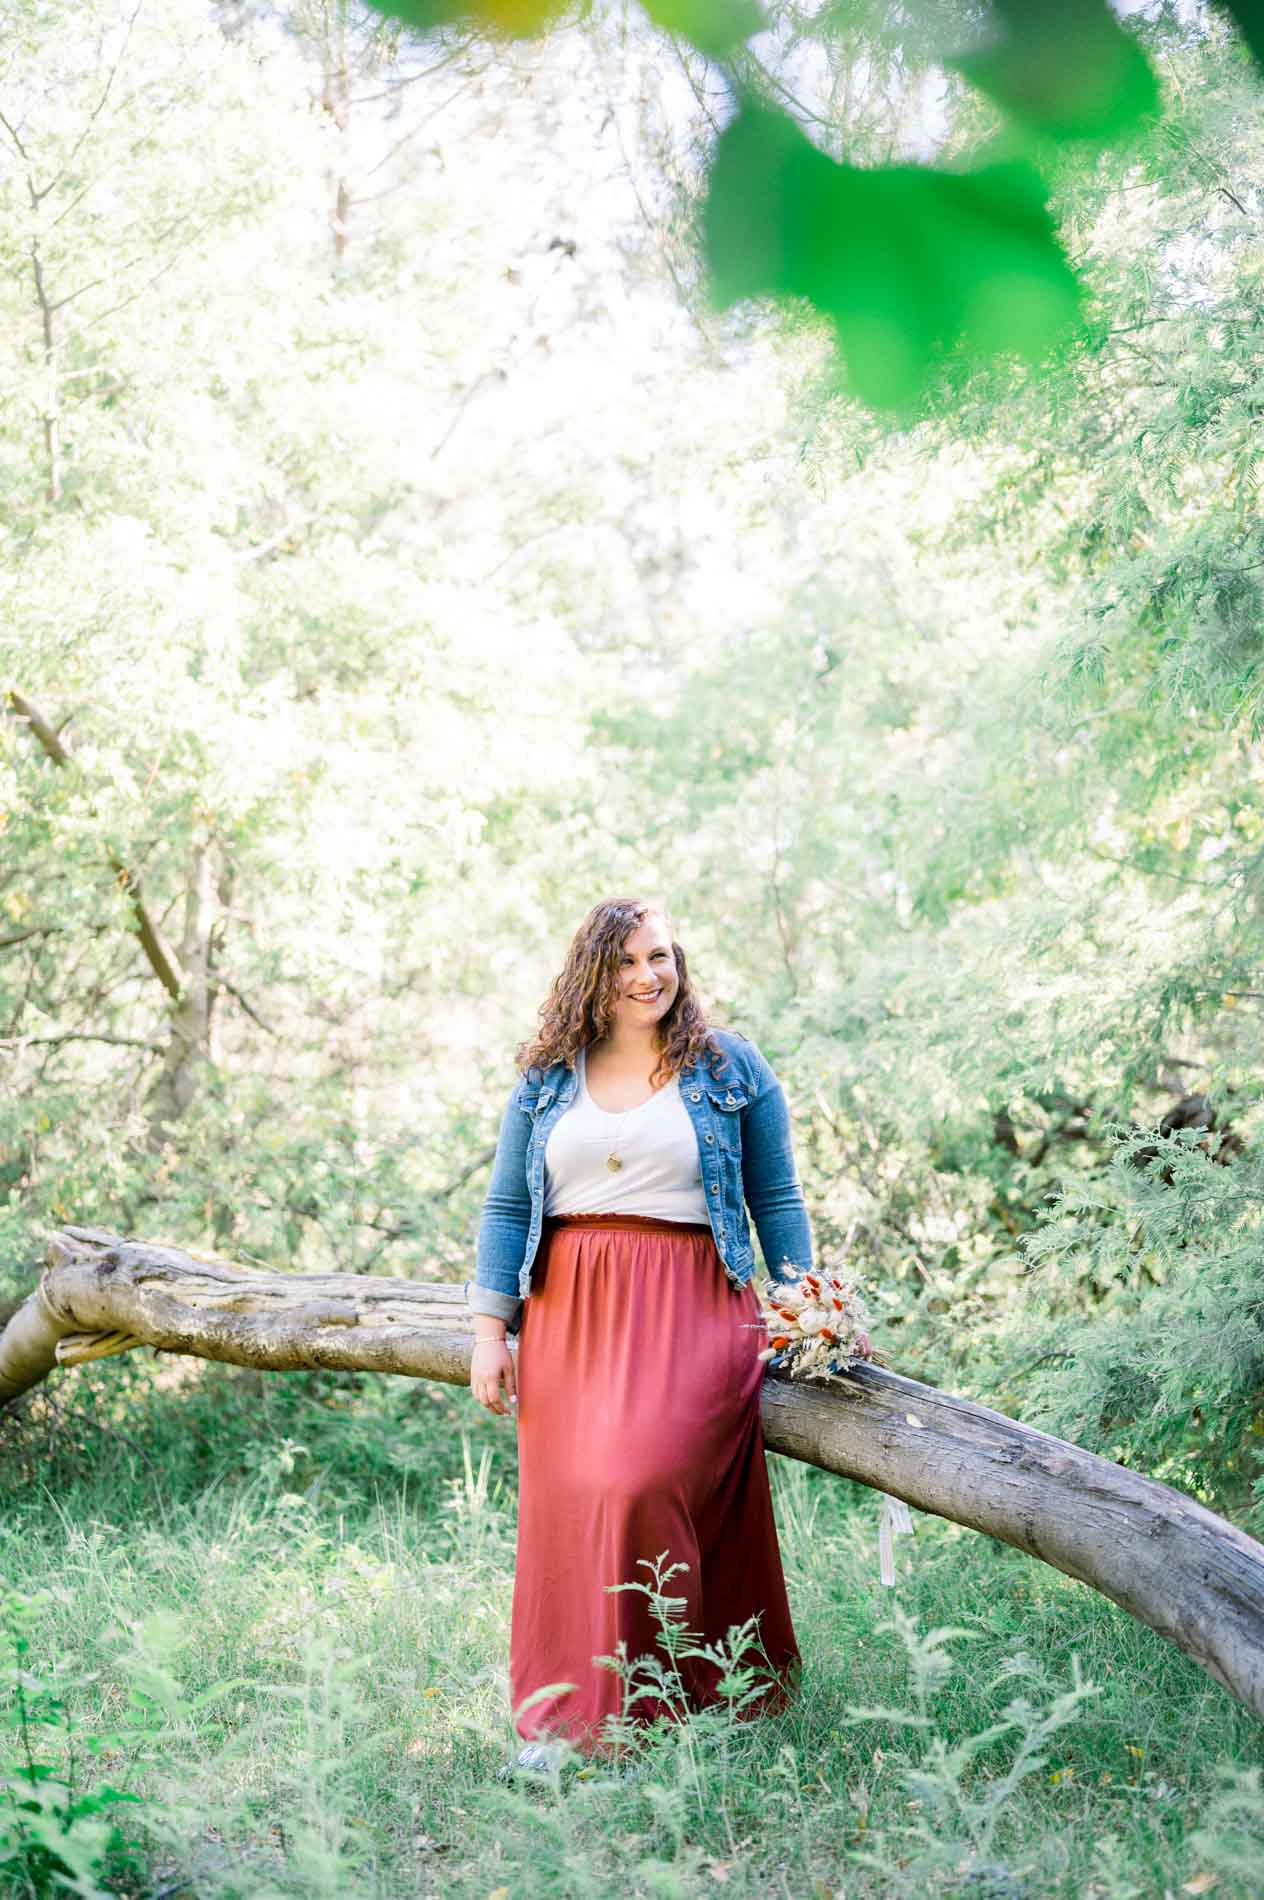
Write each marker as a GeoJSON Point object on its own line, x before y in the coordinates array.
{"type": "Point", "coordinates": [614, 1233]}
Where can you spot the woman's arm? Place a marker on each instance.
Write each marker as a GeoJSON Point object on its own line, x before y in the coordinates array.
{"type": "Point", "coordinates": [502, 1242]}
{"type": "Point", "coordinates": [505, 1221]}
{"type": "Point", "coordinates": [773, 1193]}
{"type": "Point", "coordinates": [770, 1179]}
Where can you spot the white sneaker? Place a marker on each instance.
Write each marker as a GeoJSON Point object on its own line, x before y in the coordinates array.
{"type": "Point", "coordinates": [539, 1758]}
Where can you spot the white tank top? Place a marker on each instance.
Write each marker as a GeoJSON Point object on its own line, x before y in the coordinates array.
{"type": "Point", "coordinates": [655, 1142]}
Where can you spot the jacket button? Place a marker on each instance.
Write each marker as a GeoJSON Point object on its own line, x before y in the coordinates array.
{"type": "Point", "coordinates": [695, 1095]}
{"type": "Point", "coordinates": [715, 1187]}
{"type": "Point", "coordinates": [710, 1137]}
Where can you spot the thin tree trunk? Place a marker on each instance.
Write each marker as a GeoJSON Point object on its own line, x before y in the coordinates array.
{"type": "Point", "coordinates": [50, 415]}
{"type": "Point", "coordinates": [189, 1046]}
{"type": "Point", "coordinates": [336, 100]}
{"type": "Point", "coordinates": [1189, 1574]}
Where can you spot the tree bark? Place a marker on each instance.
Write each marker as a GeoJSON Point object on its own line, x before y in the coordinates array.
{"type": "Point", "coordinates": [190, 1045]}
{"type": "Point", "coordinates": [1161, 1556]}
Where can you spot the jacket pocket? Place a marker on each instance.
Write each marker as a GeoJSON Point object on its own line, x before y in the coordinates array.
{"type": "Point", "coordinates": [727, 1104]}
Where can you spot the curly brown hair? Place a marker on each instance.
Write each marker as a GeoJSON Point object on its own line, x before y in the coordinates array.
{"type": "Point", "coordinates": [579, 1007]}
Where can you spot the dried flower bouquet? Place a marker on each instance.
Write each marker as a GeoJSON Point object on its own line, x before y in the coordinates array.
{"type": "Point", "coordinates": [817, 1324]}
{"type": "Point", "coordinates": [818, 1327]}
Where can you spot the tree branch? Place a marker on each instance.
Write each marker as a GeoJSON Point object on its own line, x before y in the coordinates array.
{"type": "Point", "coordinates": [161, 957]}
{"type": "Point", "coordinates": [80, 1035]}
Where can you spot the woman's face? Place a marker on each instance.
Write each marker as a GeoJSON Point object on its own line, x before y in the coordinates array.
{"type": "Point", "coordinates": [645, 975]}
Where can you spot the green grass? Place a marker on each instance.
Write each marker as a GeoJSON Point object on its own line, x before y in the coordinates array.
{"type": "Point", "coordinates": [277, 1612]}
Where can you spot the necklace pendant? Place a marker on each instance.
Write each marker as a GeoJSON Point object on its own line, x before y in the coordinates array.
{"type": "Point", "coordinates": [613, 1163]}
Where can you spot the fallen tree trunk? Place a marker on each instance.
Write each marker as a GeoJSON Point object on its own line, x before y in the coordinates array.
{"type": "Point", "coordinates": [1189, 1574]}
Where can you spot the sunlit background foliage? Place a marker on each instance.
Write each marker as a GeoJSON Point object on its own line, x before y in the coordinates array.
{"type": "Point", "coordinates": [808, 472]}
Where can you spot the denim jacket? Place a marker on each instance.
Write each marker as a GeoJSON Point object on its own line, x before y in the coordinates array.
{"type": "Point", "coordinates": [745, 1154]}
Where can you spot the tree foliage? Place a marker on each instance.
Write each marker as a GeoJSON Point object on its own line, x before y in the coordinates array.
{"type": "Point", "coordinates": [403, 550]}
{"type": "Point", "coordinates": [909, 262]}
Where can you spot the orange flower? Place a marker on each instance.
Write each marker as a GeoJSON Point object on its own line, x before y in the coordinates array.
{"type": "Point", "coordinates": [782, 1339]}
{"type": "Point", "coordinates": [825, 1333]}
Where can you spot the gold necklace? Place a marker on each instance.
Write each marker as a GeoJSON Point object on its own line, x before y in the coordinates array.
{"type": "Point", "coordinates": [612, 1159]}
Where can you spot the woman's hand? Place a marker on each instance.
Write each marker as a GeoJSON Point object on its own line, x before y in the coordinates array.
{"type": "Point", "coordinates": [491, 1365]}
{"type": "Point", "coordinates": [863, 1346]}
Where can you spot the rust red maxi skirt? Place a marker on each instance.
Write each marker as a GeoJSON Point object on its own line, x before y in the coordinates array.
{"type": "Point", "coordinates": [638, 1433]}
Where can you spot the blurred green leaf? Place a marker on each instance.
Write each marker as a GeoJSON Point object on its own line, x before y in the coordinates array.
{"type": "Point", "coordinates": [517, 18]}
{"type": "Point", "coordinates": [715, 27]}
{"type": "Point", "coordinates": [1066, 68]}
{"type": "Point", "coordinates": [907, 260]}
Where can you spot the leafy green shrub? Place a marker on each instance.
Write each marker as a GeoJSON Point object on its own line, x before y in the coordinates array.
{"type": "Point", "coordinates": [62, 1827]}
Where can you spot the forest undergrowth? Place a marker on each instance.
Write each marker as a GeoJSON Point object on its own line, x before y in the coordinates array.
{"type": "Point", "coordinates": [257, 1645]}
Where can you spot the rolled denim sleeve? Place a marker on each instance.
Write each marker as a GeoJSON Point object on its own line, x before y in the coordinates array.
{"type": "Point", "coordinates": [485, 1299]}
{"type": "Point", "coordinates": [770, 1179]}
{"type": "Point", "coordinates": [504, 1223]}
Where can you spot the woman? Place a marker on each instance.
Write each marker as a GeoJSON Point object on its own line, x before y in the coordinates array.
{"type": "Point", "coordinates": [614, 1239]}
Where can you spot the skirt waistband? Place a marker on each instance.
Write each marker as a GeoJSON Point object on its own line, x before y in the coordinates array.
{"type": "Point", "coordinates": [634, 1221]}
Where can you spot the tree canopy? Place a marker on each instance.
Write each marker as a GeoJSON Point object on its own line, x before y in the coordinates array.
{"type": "Point", "coordinates": [420, 517]}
